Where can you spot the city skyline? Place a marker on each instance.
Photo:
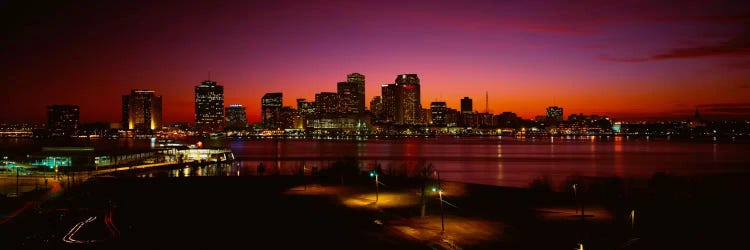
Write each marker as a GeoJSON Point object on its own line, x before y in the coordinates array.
{"type": "Point", "coordinates": [628, 60]}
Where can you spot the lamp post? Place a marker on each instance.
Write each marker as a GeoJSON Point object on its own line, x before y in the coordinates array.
{"type": "Point", "coordinates": [375, 174]}
{"type": "Point", "coordinates": [440, 194]}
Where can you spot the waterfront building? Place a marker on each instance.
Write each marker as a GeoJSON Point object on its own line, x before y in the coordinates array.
{"type": "Point", "coordinates": [141, 110]}
{"type": "Point", "coordinates": [376, 107]}
{"type": "Point", "coordinates": [328, 104]}
{"type": "Point", "coordinates": [236, 117]}
{"type": "Point", "coordinates": [209, 106]}
{"type": "Point", "coordinates": [63, 119]}
{"type": "Point", "coordinates": [306, 112]}
{"type": "Point", "coordinates": [271, 104]}
{"type": "Point", "coordinates": [389, 102]}
{"type": "Point", "coordinates": [438, 111]}
{"type": "Point", "coordinates": [409, 106]}
{"type": "Point", "coordinates": [554, 114]}
{"type": "Point", "coordinates": [466, 105]}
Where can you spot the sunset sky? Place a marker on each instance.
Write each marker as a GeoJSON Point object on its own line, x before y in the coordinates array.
{"type": "Point", "coordinates": [626, 59]}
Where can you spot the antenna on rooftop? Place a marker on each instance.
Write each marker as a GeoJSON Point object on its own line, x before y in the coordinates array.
{"type": "Point", "coordinates": [486, 102]}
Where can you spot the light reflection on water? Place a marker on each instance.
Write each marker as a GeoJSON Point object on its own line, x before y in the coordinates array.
{"type": "Point", "coordinates": [505, 161]}
{"type": "Point", "coordinates": [493, 161]}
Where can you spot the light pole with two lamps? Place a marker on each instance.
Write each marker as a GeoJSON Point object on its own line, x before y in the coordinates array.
{"type": "Point", "coordinates": [439, 189]}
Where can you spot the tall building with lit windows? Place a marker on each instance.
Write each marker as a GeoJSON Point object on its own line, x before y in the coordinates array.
{"type": "Point", "coordinates": [306, 112]}
{"type": "Point", "coordinates": [355, 87]}
{"type": "Point", "coordinates": [409, 106]}
{"type": "Point", "coordinates": [63, 119]}
{"type": "Point", "coordinates": [271, 104]}
{"type": "Point", "coordinates": [438, 111]}
{"type": "Point", "coordinates": [209, 106]}
{"type": "Point", "coordinates": [554, 114]}
{"type": "Point", "coordinates": [389, 102]}
{"type": "Point", "coordinates": [236, 117]}
{"type": "Point", "coordinates": [328, 104]}
{"type": "Point", "coordinates": [141, 110]}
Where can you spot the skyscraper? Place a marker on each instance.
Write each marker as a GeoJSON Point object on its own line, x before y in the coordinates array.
{"type": "Point", "coordinates": [376, 107]}
{"type": "Point", "coordinates": [63, 119]}
{"type": "Point", "coordinates": [271, 104]}
{"type": "Point", "coordinates": [438, 111]}
{"type": "Point", "coordinates": [356, 84]}
{"type": "Point", "coordinates": [236, 117]}
{"type": "Point", "coordinates": [389, 102]}
{"type": "Point", "coordinates": [209, 106]}
{"type": "Point", "coordinates": [141, 110]}
{"type": "Point", "coordinates": [328, 104]}
{"type": "Point", "coordinates": [467, 105]}
{"type": "Point", "coordinates": [409, 106]}
{"type": "Point", "coordinates": [349, 103]}
{"type": "Point", "coordinates": [554, 114]}
{"type": "Point", "coordinates": [306, 111]}
{"type": "Point", "coordinates": [289, 118]}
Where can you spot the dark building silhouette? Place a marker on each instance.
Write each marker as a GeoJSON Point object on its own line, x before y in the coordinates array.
{"type": "Point", "coordinates": [390, 101]}
{"type": "Point", "coordinates": [63, 119]}
{"type": "Point", "coordinates": [452, 117]}
{"type": "Point", "coordinates": [141, 110]}
{"type": "Point", "coordinates": [271, 104]}
{"type": "Point", "coordinates": [236, 117]}
{"type": "Point", "coordinates": [438, 111]}
{"type": "Point", "coordinates": [209, 106]}
{"type": "Point", "coordinates": [376, 107]}
{"type": "Point", "coordinates": [508, 120]}
{"type": "Point", "coordinates": [467, 105]}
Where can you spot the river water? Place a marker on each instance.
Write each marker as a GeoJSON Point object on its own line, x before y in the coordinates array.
{"type": "Point", "coordinates": [501, 161]}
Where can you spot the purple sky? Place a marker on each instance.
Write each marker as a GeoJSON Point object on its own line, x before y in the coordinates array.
{"type": "Point", "coordinates": [627, 59]}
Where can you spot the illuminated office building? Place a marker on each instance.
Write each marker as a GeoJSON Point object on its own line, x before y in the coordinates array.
{"type": "Point", "coordinates": [141, 110]}
{"type": "Point", "coordinates": [63, 119]}
{"type": "Point", "coordinates": [236, 117]}
{"type": "Point", "coordinates": [271, 104]}
{"type": "Point", "coordinates": [209, 106]}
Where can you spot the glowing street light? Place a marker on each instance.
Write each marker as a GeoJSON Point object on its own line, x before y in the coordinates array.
{"type": "Point", "coordinates": [580, 247]}
{"type": "Point", "coordinates": [575, 196]}
{"type": "Point", "coordinates": [439, 189]}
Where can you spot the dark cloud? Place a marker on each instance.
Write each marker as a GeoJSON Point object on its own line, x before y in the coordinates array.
{"type": "Point", "coordinates": [726, 108]}
{"type": "Point", "coordinates": [622, 59]}
{"type": "Point", "coordinates": [738, 46]}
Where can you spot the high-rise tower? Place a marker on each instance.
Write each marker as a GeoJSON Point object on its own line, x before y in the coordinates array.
{"type": "Point", "coordinates": [209, 106]}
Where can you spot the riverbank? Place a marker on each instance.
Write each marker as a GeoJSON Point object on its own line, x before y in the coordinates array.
{"type": "Point", "coordinates": [285, 212]}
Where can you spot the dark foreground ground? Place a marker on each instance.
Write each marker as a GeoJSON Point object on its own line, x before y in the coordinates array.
{"type": "Point", "coordinates": [280, 213]}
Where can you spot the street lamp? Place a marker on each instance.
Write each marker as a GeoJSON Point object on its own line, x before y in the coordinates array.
{"type": "Point", "coordinates": [440, 194]}
{"type": "Point", "coordinates": [375, 174]}
{"type": "Point", "coordinates": [575, 196]}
